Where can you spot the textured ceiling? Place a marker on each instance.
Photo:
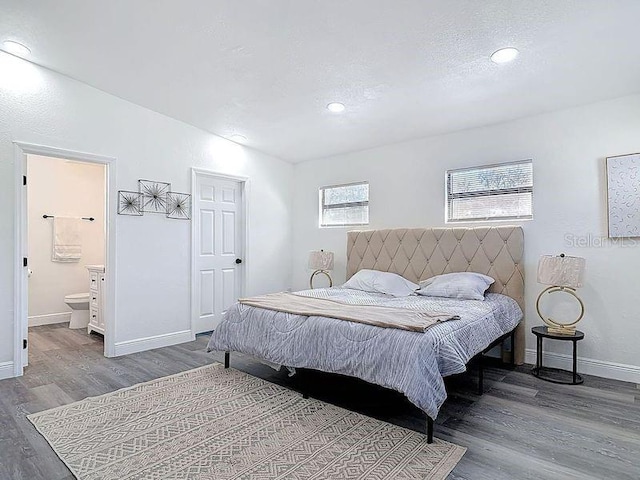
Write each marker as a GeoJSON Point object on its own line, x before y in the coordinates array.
{"type": "Point", "coordinates": [404, 68]}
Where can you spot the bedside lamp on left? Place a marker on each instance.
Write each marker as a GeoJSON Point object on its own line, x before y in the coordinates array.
{"type": "Point", "coordinates": [321, 262]}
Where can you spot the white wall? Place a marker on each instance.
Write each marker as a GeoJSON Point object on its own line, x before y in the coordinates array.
{"type": "Point", "coordinates": [568, 149]}
{"type": "Point", "coordinates": [66, 189]}
{"type": "Point", "coordinates": [153, 259]}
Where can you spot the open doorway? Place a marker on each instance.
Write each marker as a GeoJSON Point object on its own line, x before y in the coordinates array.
{"type": "Point", "coordinates": [66, 204]}
{"type": "Point", "coordinates": [66, 251]}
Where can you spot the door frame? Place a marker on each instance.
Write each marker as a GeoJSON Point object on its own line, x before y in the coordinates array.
{"type": "Point", "coordinates": [244, 212]}
{"type": "Point", "coordinates": [21, 289]}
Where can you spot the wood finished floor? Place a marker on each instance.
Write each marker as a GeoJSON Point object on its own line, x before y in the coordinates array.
{"type": "Point", "coordinates": [521, 428]}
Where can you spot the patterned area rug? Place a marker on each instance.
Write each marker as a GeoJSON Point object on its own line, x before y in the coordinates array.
{"type": "Point", "coordinates": [215, 423]}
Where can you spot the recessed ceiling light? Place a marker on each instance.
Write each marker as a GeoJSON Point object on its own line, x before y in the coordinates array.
{"type": "Point", "coordinates": [336, 107]}
{"type": "Point", "coordinates": [15, 48]}
{"type": "Point", "coordinates": [504, 55]}
{"type": "Point", "coordinates": [236, 137]}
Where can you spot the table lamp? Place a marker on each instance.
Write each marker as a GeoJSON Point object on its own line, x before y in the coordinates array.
{"type": "Point", "coordinates": [563, 274]}
{"type": "Point", "coordinates": [320, 262]}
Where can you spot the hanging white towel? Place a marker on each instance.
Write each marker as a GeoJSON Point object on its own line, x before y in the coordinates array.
{"type": "Point", "coordinates": [66, 240]}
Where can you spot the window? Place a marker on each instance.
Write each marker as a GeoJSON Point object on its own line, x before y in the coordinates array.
{"type": "Point", "coordinates": [492, 192]}
{"type": "Point", "coordinates": [343, 205]}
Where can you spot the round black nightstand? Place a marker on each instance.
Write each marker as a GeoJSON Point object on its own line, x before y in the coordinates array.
{"type": "Point", "coordinates": [544, 372]}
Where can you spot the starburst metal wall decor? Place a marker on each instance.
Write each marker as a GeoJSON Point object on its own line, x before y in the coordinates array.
{"type": "Point", "coordinates": [179, 205]}
{"type": "Point", "coordinates": [129, 203]}
{"type": "Point", "coordinates": [155, 195]}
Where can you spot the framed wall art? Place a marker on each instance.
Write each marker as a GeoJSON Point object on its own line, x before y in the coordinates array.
{"type": "Point", "coordinates": [623, 195]}
{"type": "Point", "coordinates": [179, 205]}
{"type": "Point", "coordinates": [155, 195]}
{"type": "Point", "coordinates": [129, 203]}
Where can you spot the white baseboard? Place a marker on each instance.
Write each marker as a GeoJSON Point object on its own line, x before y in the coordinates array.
{"type": "Point", "coordinates": [49, 319]}
{"type": "Point", "coordinates": [6, 370]}
{"type": "Point", "coordinates": [589, 366]}
{"type": "Point", "coordinates": [149, 343]}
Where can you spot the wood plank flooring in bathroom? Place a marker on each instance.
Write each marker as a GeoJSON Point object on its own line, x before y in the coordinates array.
{"type": "Point", "coordinates": [522, 428]}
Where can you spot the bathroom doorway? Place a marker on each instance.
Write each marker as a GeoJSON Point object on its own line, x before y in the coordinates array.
{"type": "Point", "coordinates": [66, 247]}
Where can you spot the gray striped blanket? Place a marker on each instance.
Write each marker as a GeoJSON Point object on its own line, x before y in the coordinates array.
{"type": "Point", "coordinates": [410, 362]}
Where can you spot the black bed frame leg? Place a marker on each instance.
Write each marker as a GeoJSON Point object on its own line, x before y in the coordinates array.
{"type": "Point", "coordinates": [481, 374]}
{"type": "Point", "coordinates": [429, 429]}
{"type": "Point", "coordinates": [513, 348]}
{"type": "Point", "coordinates": [227, 356]}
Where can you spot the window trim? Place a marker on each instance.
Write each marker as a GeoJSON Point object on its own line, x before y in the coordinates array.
{"type": "Point", "coordinates": [485, 193]}
{"type": "Point", "coordinates": [322, 206]}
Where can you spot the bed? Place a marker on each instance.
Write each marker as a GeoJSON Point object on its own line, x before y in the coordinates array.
{"type": "Point", "coordinates": [410, 362]}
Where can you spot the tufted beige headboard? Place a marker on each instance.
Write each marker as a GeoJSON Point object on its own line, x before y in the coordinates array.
{"type": "Point", "coordinates": [420, 253]}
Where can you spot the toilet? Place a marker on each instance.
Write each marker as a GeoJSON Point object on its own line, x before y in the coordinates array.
{"type": "Point", "coordinates": [79, 305]}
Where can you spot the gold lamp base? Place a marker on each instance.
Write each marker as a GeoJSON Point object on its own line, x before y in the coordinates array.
{"type": "Point", "coordinates": [554, 326]}
{"type": "Point", "coordinates": [562, 330]}
{"type": "Point", "coordinates": [318, 272]}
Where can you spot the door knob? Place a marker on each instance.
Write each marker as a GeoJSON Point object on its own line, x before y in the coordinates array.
{"type": "Point", "coordinates": [238, 260]}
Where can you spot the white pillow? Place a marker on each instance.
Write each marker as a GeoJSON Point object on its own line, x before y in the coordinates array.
{"type": "Point", "coordinates": [462, 285]}
{"type": "Point", "coordinates": [381, 282]}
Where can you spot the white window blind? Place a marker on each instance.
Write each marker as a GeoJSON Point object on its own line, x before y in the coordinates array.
{"type": "Point", "coordinates": [344, 205]}
{"type": "Point", "coordinates": [493, 192]}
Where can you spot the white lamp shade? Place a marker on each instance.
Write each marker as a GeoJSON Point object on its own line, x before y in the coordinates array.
{"type": "Point", "coordinates": [321, 260]}
{"type": "Point", "coordinates": [561, 271]}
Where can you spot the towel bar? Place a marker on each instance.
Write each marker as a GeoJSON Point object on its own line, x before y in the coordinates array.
{"type": "Point", "coordinates": [91, 219]}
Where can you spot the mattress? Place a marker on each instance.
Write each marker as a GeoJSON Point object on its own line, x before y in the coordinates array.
{"type": "Point", "coordinates": [413, 363]}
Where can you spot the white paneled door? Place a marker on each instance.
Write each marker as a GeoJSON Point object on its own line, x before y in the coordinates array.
{"type": "Point", "coordinates": [218, 243]}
